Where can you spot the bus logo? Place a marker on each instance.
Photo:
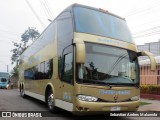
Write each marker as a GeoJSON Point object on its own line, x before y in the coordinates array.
{"type": "Point", "coordinates": [115, 97]}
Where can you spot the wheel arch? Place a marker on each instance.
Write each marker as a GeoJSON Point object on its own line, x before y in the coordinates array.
{"type": "Point", "coordinates": [48, 87]}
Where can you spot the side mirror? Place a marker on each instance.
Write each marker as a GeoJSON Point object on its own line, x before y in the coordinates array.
{"type": "Point", "coordinates": [80, 51]}
{"type": "Point", "coordinates": [151, 57]}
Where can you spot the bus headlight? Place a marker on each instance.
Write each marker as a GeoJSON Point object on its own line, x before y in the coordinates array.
{"type": "Point", "coordinates": [135, 98]}
{"type": "Point", "coordinates": [87, 98]}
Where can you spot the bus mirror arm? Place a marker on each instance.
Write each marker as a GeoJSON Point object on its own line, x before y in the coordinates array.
{"type": "Point", "coordinates": [150, 56]}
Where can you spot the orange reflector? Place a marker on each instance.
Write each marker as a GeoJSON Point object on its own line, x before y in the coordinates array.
{"type": "Point", "coordinates": [103, 10]}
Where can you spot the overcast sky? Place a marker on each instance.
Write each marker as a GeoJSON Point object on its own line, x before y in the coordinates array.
{"type": "Point", "coordinates": [143, 19]}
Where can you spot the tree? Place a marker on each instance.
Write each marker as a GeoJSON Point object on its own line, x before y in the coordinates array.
{"type": "Point", "coordinates": [14, 72]}
{"type": "Point", "coordinates": [29, 34]}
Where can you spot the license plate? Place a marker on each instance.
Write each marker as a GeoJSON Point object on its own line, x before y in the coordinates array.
{"type": "Point", "coordinates": [115, 108]}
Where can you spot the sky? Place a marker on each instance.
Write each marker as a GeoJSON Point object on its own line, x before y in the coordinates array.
{"type": "Point", "coordinates": [142, 16]}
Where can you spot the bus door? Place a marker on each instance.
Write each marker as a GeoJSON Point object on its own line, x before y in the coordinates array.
{"type": "Point", "coordinates": [67, 79]}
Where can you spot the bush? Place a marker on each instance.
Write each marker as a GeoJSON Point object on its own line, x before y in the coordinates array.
{"type": "Point", "coordinates": [150, 89]}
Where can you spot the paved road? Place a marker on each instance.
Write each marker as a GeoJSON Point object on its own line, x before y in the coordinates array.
{"type": "Point", "coordinates": [10, 100]}
{"type": "Point", "coordinates": [155, 106]}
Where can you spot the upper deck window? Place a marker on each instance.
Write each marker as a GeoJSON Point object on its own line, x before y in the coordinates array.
{"type": "Point", "coordinates": [99, 23]}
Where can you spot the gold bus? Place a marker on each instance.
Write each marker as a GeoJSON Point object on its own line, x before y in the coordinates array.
{"type": "Point", "coordinates": [85, 60]}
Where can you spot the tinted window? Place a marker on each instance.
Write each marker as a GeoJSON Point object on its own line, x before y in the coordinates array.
{"type": "Point", "coordinates": [29, 74]}
{"type": "Point", "coordinates": [106, 64]}
{"type": "Point", "coordinates": [65, 31]}
{"type": "Point", "coordinates": [3, 80]}
{"type": "Point", "coordinates": [49, 68]}
{"type": "Point", "coordinates": [65, 36]}
{"type": "Point", "coordinates": [47, 37]}
{"type": "Point", "coordinates": [65, 62]}
{"type": "Point", "coordinates": [68, 62]}
{"type": "Point", "coordinates": [43, 70]}
{"type": "Point", "coordinates": [95, 22]}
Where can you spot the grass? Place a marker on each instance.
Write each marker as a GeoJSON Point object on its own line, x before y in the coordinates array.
{"type": "Point", "coordinates": [145, 103]}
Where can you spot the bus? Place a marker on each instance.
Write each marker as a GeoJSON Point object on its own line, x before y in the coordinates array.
{"type": "Point", "coordinates": [4, 80]}
{"type": "Point", "coordinates": [85, 61]}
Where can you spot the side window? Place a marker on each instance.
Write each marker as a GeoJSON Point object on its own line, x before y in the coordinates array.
{"type": "Point", "coordinates": [44, 70]}
{"type": "Point", "coordinates": [28, 74]}
{"type": "Point", "coordinates": [65, 65]}
{"type": "Point", "coordinates": [48, 69]}
{"type": "Point", "coordinates": [68, 68]}
{"type": "Point", "coordinates": [36, 73]}
{"type": "Point", "coordinates": [64, 36]}
{"type": "Point", "coordinates": [64, 31]}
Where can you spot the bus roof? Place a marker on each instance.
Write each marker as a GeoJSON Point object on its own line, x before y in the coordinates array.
{"type": "Point", "coordinates": [85, 6]}
{"type": "Point", "coordinates": [70, 8]}
{"type": "Point", "coordinates": [4, 74]}
{"type": "Point", "coordinates": [99, 9]}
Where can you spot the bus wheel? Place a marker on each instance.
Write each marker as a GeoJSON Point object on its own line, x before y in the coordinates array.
{"type": "Point", "coordinates": [22, 93]}
{"type": "Point", "coordinates": [51, 101]}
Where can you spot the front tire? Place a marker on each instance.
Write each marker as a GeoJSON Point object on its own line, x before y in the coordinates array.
{"type": "Point", "coordinates": [22, 92]}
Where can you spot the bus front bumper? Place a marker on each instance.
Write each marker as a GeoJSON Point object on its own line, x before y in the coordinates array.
{"type": "Point", "coordinates": [4, 86]}
{"type": "Point", "coordinates": [84, 106]}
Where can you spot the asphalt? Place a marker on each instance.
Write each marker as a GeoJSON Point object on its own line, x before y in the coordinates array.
{"type": "Point", "coordinates": [154, 106]}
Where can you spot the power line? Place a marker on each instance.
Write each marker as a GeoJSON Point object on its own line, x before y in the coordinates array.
{"type": "Point", "coordinates": [142, 10]}
{"type": "Point", "coordinates": [47, 16]}
{"type": "Point", "coordinates": [48, 9]}
{"type": "Point", "coordinates": [7, 38]}
{"type": "Point", "coordinates": [34, 12]}
{"type": "Point", "coordinates": [153, 21]}
{"type": "Point", "coordinates": [10, 32]}
{"type": "Point", "coordinates": [147, 30]}
{"type": "Point", "coordinates": [139, 9]}
{"type": "Point", "coordinates": [147, 35]}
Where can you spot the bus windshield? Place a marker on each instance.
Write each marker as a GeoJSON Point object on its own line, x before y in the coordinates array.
{"type": "Point", "coordinates": [3, 80]}
{"type": "Point", "coordinates": [108, 65]}
{"type": "Point", "coordinates": [99, 23]}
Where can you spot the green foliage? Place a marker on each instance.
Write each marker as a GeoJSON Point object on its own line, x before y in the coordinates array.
{"type": "Point", "coordinates": [14, 72]}
{"type": "Point", "coordinates": [17, 51]}
{"type": "Point", "coordinates": [29, 34]}
{"type": "Point", "coordinates": [150, 89]}
{"type": "Point", "coordinates": [145, 103]}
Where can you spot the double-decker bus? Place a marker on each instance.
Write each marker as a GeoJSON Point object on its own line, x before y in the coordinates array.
{"type": "Point", "coordinates": [85, 60]}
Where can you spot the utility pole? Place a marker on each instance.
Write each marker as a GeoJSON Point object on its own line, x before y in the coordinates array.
{"type": "Point", "coordinates": [7, 69]}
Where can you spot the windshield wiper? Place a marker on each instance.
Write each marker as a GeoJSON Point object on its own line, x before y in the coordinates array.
{"type": "Point", "coordinates": [108, 85]}
{"type": "Point", "coordinates": [117, 61]}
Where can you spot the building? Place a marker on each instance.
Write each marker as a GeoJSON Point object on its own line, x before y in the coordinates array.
{"type": "Point", "coordinates": [148, 77]}
{"type": "Point", "coordinates": [153, 47]}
